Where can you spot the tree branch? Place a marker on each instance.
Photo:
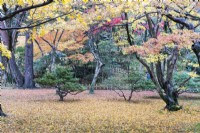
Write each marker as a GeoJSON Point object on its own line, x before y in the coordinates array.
{"type": "Point", "coordinates": [48, 42]}
{"type": "Point", "coordinates": [35, 25]}
{"type": "Point", "coordinates": [56, 45]}
{"type": "Point", "coordinates": [180, 21]}
{"type": "Point", "coordinates": [184, 82]}
{"type": "Point", "coordinates": [12, 14]}
{"type": "Point", "coordinates": [39, 47]}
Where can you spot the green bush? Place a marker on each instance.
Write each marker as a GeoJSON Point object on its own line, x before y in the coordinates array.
{"type": "Point", "coordinates": [62, 78]}
{"type": "Point", "coordinates": [193, 85]}
{"type": "Point", "coordinates": [135, 80]}
{"type": "Point", "coordinates": [123, 81]}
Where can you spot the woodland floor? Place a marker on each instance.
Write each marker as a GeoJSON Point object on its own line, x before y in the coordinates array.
{"type": "Point", "coordinates": [39, 111]}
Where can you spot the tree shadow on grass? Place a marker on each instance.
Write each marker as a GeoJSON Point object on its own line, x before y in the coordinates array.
{"type": "Point", "coordinates": [133, 101]}
{"type": "Point", "coordinates": [180, 97]}
{"type": "Point", "coordinates": [57, 100]}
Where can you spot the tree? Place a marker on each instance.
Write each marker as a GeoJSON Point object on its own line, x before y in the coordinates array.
{"type": "Point", "coordinates": [9, 39]}
{"type": "Point", "coordinates": [3, 53]}
{"type": "Point", "coordinates": [62, 79]}
{"type": "Point", "coordinates": [29, 74]}
{"type": "Point", "coordinates": [132, 82]}
{"type": "Point", "coordinates": [159, 56]}
{"type": "Point", "coordinates": [99, 63]}
{"type": "Point", "coordinates": [54, 46]}
{"type": "Point", "coordinates": [19, 14]}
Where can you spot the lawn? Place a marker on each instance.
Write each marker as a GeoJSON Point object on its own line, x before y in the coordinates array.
{"type": "Point", "coordinates": [39, 111]}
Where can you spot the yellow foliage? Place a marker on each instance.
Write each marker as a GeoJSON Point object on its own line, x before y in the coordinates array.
{"type": "Point", "coordinates": [4, 51]}
{"type": "Point", "coordinates": [1, 66]}
{"type": "Point", "coordinates": [193, 74]}
{"type": "Point", "coordinates": [154, 58]}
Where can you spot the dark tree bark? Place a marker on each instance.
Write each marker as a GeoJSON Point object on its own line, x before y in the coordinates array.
{"type": "Point", "coordinates": [61, 93]}
{"type": "Point", "coordinates": [9, 39]}
{"type": "Point", "coordinates": [123, 95]}
{"type": "Point", "coordinates": [196, 49]}
{"type": "Point", "coordinates": [29, 74]}
{"type": "Point", "coordinates": [1, 112]}
{"type": "Point", "coordinates": [16, 74]}
{"type": "Point", "coordinates": [11, 14]}
{"type": "Point", "coordinates": [171, 97]}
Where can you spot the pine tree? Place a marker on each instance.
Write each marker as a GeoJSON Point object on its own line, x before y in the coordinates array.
{"type": "Point", "coordinates": [62, 78]}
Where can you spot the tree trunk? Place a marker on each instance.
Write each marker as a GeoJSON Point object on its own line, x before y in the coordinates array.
{"type": "Point", "coordinates": [29, 74]}
{"type": "Point", "coordinates": [16, 74]}
{"type": "Point", "coordinates": [99, 65]}
{"type": "Point", "coordinates": [1, 112]}
{"type": "Point", "coordinates": [171, 98]}
{"type": "Point", "coordinates": [61, 98]}
{"type": "Point", "coordinates": [131, 94]}
{"type": "Point", "coordinates": [53, 60]}
{"type": "Point", "coordinates": [196, 49]}
{"type": "Point", "coordinates": [5, 40]}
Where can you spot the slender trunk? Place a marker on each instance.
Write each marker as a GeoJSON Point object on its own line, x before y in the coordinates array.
{"type": "Point", "coordinates": [29, 74]}
{"type": "Point", "coordinates": [53, 60]}
{"type": "Point", "coordinates": [99, 65]}
{"type": "Point", "coordinates": [130, 96]}
{"type": "Point", "coordinates": [94, 50]}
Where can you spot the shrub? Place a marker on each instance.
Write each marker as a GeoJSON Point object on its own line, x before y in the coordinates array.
{"type": "Point", "coordinates": [192, 85]}
{"type": "Point", "coordinates": [135, 81]}
{"type": "Point", "coordinates": [62, 78]}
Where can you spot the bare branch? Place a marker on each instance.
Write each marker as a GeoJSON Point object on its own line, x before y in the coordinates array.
{"type": "Point", "coordinates": [48, 42]}
{"type": "Point", "coordinates": [75, 93]}
{"type": "Point", "coordinates": [39, 47]}
{"type": "Point", "coordinates": [56, 45]}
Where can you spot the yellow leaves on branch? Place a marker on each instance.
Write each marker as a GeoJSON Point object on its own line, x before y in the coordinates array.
{"type": "Point", "coordinates": [196, 65]}
{"type": "Point", "coordinates": [4, 52]}
{"type": "Point", "coordinates": [30, 2]}
{"type": "Point", "coordinates": [193, 74]}
{"type": "Point", "coordinates": [1, 66]}
{"type": "Point", "coordinates": [19, 2]}
{"type": "Point", "coordinates": [155, 58]}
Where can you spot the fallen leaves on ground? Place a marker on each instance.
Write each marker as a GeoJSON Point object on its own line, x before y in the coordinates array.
{"type": "Point", "coordinates": [40, 111]}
